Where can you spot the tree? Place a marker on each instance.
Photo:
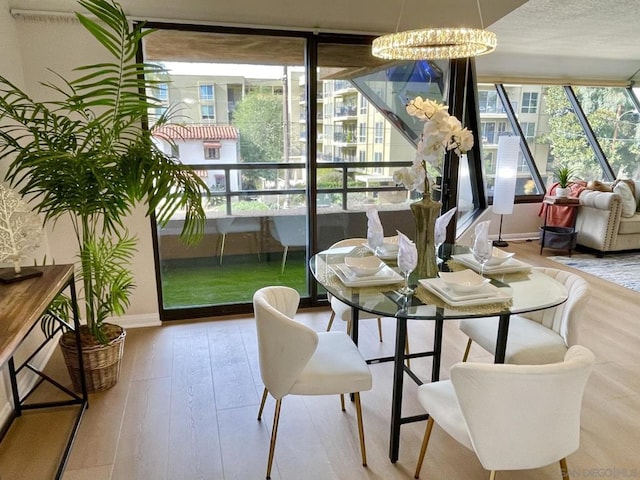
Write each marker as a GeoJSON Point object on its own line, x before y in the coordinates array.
{"type": "Point", "coordinates": [613, 119]}
{"type": "Point", "coordinates": [568, 144]}
{"type": "Point", "coordinates": [259, 118]}
{"type": "Point", "coordinates": [608, 111]}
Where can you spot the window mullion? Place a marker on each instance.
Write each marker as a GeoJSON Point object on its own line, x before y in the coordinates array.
{"type": "Point", "coordinates": [591, 138]}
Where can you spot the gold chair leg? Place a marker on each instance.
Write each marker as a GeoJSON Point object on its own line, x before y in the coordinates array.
{"type": "Point", "coordinates": [564, 469]}
{"type": "Point", "coordinates": [264, 399]}
{"type": "Point", "coordinates": [333, 315]}
{"type": "Point", "coordinates": [274, 434]}
{"type": "Point", "coordinates": [380, 329]}
{"type": "Point", "coordinates": [284, 259]}
{"type": "Point", "coordinates": [423, 449]}
{"type": "Point", "coordinates": [224, 238]}
{"type": "Point", "coordinates": [342, 402]}
{"type": "Point", "coordinates": [466, 351]}
{"type": "Point", "coordinates": [492, 475]}
{"type": "Point", "coordinates": [356, 398]}
{"type": "Point", "coordinates": [349, 327]}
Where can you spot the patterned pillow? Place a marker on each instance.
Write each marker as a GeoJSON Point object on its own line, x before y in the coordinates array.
{"type": "Point", "coordinates": [629, 204]}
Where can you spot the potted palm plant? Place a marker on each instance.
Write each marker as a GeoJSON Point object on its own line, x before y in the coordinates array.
{"type": "Point", "coordinates": [87, 155]}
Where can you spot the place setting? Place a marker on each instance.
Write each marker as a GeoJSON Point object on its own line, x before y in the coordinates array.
{"type": "Point", "coordinates": [365, 272]}
{"type": "Point", "coordinates": [485, 258]}
{"type": "Point", "coordinates": [465, 288]}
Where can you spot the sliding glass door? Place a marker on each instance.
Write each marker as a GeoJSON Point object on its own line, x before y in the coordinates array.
{"type": "Point", "coordinates": [293, 157]}
{"type": "Point", "coordinates": [364, 135]}
{"type": "Point", "coordinates": [240, 124]}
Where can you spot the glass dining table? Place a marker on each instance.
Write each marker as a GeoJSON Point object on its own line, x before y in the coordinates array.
{"type": "Point", "coordinates": [519, 290]}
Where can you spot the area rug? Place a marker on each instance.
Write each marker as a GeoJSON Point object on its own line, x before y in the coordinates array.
{"type": "Point", "coordinates": [620, 268]}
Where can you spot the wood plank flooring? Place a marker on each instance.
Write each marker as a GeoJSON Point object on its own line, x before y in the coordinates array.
{"type": "Point", "coordinates": [186, 403]}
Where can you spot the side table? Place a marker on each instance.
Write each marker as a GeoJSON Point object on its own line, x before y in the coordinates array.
{"type": "Point", "coordinates": [23, 305]}
{"type": "Point", "coordinates": [556, 236]}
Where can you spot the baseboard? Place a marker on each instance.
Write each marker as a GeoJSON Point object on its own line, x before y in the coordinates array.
{"type": "Point", "coordinates": [138, 321]}
{"type": "Point", "coordinates": [27, 380]}
{"type": "Point", "coordinates": [514, 237]}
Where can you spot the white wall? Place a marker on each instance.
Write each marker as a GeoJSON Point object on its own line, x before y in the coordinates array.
{"type": "Point", "coordinates": [192, 153]}
{"type": "Point", "coordinates": [523, 223]}
{"type": "Point", "coordinates": [10, 59]}
{"type": "Point", "coordinates": [11, 68]}
{"type": "Point", "coordinates": [62, 45]}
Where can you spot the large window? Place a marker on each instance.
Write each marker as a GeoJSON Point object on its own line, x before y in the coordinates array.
{"type": "Point", "coordinates": [378, 133]}
{"type": "Point", "coordinates": [614, 121]}
{"type": "Point", "coordinates": [529, 102]}
{"type": "Point", "coordinates": [554, 121]}
{"type": "Point", "coordinates": [206, 92]}
{"type": "Point", "coordinates": [207, 112]}
{"type": "Point", "coordinates": [248, 143]}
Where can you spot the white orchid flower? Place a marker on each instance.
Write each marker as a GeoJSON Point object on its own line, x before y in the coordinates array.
{"type": "Point", "coordinates": [441, 133]}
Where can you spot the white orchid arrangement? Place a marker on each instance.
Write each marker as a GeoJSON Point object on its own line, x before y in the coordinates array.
{"type": "Point", "coordinates": [441, 133]}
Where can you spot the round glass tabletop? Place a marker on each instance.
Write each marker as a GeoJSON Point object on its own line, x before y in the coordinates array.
{"type": "Point", "coordinates": [515, 288]}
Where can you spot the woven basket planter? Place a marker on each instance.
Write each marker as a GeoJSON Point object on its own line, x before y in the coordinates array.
{"type": "Point", "coordinates": [101, 362]}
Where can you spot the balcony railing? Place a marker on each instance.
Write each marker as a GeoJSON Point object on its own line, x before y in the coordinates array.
{"type": "Point", "coordinates": [224, 191]}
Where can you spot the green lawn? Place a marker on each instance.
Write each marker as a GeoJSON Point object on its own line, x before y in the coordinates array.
{"type": "Point", "coordinates": [202, 281]}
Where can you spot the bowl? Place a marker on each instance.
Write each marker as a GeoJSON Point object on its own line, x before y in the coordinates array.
{"type": "Point", "coordinates": [498, 257]}
{"type": "Point", "coordinates": [463, 281]}
{"type": "Point", "coordinates": [364, 266]}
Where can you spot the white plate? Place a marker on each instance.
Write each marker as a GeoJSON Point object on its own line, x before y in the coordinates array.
{"type": "Point", "coordinates": [388, 251]}
{"type": "Point", "coordinates": [386, 276]}
{"type": "Point", "coordinates": [463, 281]}
{"type": "Point", "coordinates": [510, 266]}
{"type": "Point", "coordinates": [487, 294]}
{"type": "Point", "coordinates": [337, 251]}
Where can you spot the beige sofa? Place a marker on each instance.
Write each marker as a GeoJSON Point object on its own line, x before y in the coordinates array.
{"type": "Point", "coordinates": [601, 225]}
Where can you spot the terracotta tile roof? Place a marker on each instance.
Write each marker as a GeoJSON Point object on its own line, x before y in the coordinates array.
{"type": "Point", "coordinates": [196, 132]}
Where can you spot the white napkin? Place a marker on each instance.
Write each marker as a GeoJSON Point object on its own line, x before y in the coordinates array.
{"type": "Point", "coordinates": [375, 232]}
{"type": "Point", "coordinates": [482, 231]}
{"type": "Point", "coordinates": [442, 221]}
{"type": "Point", "coordinates": [407, 253]}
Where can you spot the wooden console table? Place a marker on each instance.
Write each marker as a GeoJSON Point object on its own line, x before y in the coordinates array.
{"type": "Point", "coordinates": [22, 306]}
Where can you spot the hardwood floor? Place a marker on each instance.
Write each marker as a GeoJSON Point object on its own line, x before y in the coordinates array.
{"type": "Point", "coordinates": [186, 403]}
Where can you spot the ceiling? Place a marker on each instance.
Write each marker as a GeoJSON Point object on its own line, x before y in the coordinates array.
{"type": "Point", "coordinates": [562, 39]}
{"type": "Point", "coordinates": [558, 40]}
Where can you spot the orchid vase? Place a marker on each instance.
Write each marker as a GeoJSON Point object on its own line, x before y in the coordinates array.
{"type": "Point", "coordinates": [425, 212]}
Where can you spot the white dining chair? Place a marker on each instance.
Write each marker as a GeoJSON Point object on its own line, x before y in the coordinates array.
{"type": "Point", "coordinates": [290, 231]}
{"type": "Point", "coordinates": [342, 310]}
{"type": "Point", "coordinates": [296, 360]}
{"type": "Point", "coordinates": [537, 337]}
{"type": "Point", "coordinates": [243, 225]}
{"type": "Point", "coordinates": [514, 417]}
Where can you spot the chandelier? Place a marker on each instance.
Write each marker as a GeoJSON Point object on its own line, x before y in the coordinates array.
{"type": "Point", "coordinates": [435, 43]}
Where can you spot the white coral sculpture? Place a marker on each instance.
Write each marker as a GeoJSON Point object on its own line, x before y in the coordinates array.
{"type": "Point", "coordinates": [20, 227]}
